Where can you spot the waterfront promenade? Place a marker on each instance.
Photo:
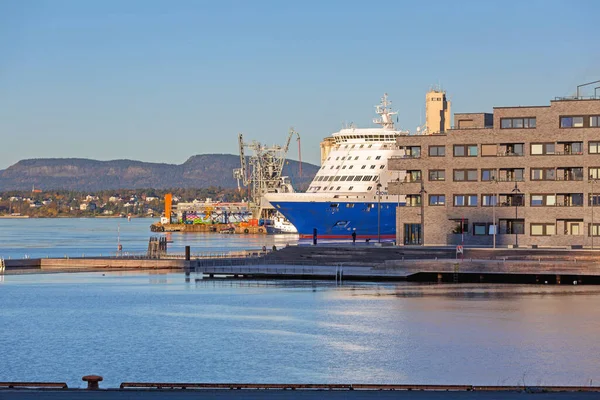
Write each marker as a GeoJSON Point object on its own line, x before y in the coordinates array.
{"type": "Point", "coordinates": [347, 262]}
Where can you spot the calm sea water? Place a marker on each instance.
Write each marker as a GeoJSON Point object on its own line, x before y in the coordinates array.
{"type": "Point", "coordinates": [157, 327]}
{"type": "Point", "coordinates": [74, 237]}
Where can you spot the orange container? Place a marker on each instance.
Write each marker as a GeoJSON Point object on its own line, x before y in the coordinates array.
{"type": "Point", "coordinates": [253, 222]}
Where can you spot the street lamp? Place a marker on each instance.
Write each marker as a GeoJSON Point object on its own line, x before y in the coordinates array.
{"type": "Point", "coordinates": [422, 192]}
{"type": "Point", "coordinates": [378, 212]}
{"type": "Point", "coordinates": [516, 191]}
{"type": "Point", "coordinates": [494, 199]}
{"type": "Point", "coordinates": [592, 180]}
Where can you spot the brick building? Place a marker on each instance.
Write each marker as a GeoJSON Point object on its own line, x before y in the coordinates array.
{"type": "Point", "coordinates": [535, 171]}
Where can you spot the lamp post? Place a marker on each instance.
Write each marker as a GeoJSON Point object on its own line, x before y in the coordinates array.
{"type": "Point", "coordinates": [378, 212]}
{"type": "Point", "coordinates": [422, 192]}
{"type": "Point", "coordinates": [592, 180]}
{"type": "Point", "coordinates": [515, 192]}
{"type": "Point", "coordinates": [494, 199]}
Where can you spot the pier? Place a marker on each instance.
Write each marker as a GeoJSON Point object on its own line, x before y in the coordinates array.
{"type": "Point", "coordinates": [351, 263]}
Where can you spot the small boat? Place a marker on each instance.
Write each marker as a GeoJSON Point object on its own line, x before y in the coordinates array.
{"type": "Point", "coordinates": [228, 230]}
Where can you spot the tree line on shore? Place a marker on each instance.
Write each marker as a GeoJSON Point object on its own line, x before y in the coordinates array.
{"type": "Point", "coordinates": [133, 202]}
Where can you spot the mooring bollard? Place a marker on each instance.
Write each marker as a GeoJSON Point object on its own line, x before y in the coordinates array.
{"type": "Point", "coordinates": [92, 381]}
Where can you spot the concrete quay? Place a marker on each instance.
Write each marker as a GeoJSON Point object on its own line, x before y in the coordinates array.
{"type": "Point", "coordinates": [358, 263]}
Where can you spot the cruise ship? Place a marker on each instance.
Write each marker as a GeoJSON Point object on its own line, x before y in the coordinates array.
{"type": "Point", "coordinates": [349, 194]}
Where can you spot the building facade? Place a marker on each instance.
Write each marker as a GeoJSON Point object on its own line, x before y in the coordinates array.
{"type": "Point", "coordinates": [529, 174]}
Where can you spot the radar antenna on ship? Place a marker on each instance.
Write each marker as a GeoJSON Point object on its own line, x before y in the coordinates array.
{"type": "Point", "coordinates": [385, 113]}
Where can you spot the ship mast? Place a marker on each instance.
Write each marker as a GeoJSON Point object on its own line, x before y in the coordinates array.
{"type": "Point", "coordinates": [385, 113]}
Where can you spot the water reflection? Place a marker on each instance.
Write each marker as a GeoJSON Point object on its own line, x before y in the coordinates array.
{"type": "Point", "coordinates": [155, 326]}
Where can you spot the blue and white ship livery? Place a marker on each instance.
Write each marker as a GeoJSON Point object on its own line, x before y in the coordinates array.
{"type": "Point", "coordinates": [353, 180]}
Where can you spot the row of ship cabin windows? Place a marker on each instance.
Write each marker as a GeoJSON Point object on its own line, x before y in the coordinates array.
{"type": "Point", "coordinates": [368, 138]}
{"type": "Point", "coordinates": [506, 149]}
{"type": "Point", "coordinates": [572, 121]}
{"type": "Point", "coordinates": [337, 189]}
{"type": "Point", "coordinates": [505, 174]}
{"type": "Point", "coordinates": [342, 178]}
{"type": "Point", "coordinates": [382, 166]}
{"type": "Point", "coordinates": [507, 200]}
{"type": "Point", "coordinates": [350, 158]}
{"type": "Point", "coordinates": [517, 226]}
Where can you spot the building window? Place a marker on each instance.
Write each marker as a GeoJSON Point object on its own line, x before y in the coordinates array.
{"type": "Point", "coordinates": [594, 230]}
{"type": "Point", "coordinates": [489, 200]}
{"type": "Point", "coordinates": [594, 147]}
{"type": "Point", "coordinates": [541, 200]}
{"type": "Point", "coordinates": [570, 148]}
{"type": "Point", "coordinates": [594, 198]}
{"type": "Point", "coordinates": [543, 174]}
{"type": "Point", "coordinates": [574, 228]}
{"type": "Point", "coordinates": [511, 200]}
{"type": "Point", "coordinates": [461, 175]}
{"type": "Point", "coordinates": [569, 174]}
{"type": "Point", "coordinates": [465, 200]}
{"type": "Point", "coordinates": [511, 149]}
{"type": "Point", "coordinates": [460, 226]}
{"type": "Point", "coordinates": [569, 200]}
{"type": "Point", "coordinates": [351, 187]}
{"type": "Point", "coordinates": [378, 158]}
{"type": "Point", "coordinates": [595, 121]}
{"type": "Point", "coordinates": [542, 229]}
{"type": "Point", "coordinates": [489, 175]}
{"type": "Point", "coordinates": [437, 175]}
{"type": "Point", "coordinates": [413, 200]}
{"type": "Point", "coordinates": [517, 123]}
{"type": "Point", "coordinates": [350, 167]}
{"type": "Point", "coordinates": [480, 228]}
{"type": "Point", "coordinates": [538, 149]}
{"type": "Point", "coordinates": [437, 151]}
{"type": "Point", "coordinates": [437, 199]}
{"type": "Point", "coordinates": [571, 122]}
{"type": "Point", "coordinates": [489, 150]}
{"type": "Point", "coordinates": [511, 226]}
{"type": "Point", "coordinates": [511, 174]}
{"type": "Point", "coordinates": [373, 166]}
{"type": "Point", "coordinates": [465, 150]}
{"type": "Point", "coordinates": [412, 152]}
{"type": "Point", "coordinates": [413, 176]}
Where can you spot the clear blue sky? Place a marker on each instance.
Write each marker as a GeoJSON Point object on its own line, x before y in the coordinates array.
{"type": "Point", "coordinates": [163, 80]}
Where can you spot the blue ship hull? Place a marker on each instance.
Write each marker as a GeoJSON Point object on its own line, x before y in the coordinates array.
{"type": "Point", "coordinates": [338, 222]}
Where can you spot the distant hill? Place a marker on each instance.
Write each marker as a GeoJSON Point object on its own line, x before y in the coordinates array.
{"type": "Point", "coordinates": [198, 171]}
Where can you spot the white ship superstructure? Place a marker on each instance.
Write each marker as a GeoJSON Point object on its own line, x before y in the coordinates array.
{"type": "Point", "coordinates": [352, 180]}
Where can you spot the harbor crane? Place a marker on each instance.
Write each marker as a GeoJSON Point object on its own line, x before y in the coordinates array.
{"type": "Point", "coordinates": [262, 170]}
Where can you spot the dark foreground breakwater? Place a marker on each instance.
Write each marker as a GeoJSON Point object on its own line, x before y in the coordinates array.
{"type": "Point", "coordinates": [156, 390]}
{"type": "Point", "coordinates": [365, 263]}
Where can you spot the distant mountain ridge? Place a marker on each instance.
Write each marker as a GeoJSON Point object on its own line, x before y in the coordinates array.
{"type": "Point", "coordinates": [198, 171]}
